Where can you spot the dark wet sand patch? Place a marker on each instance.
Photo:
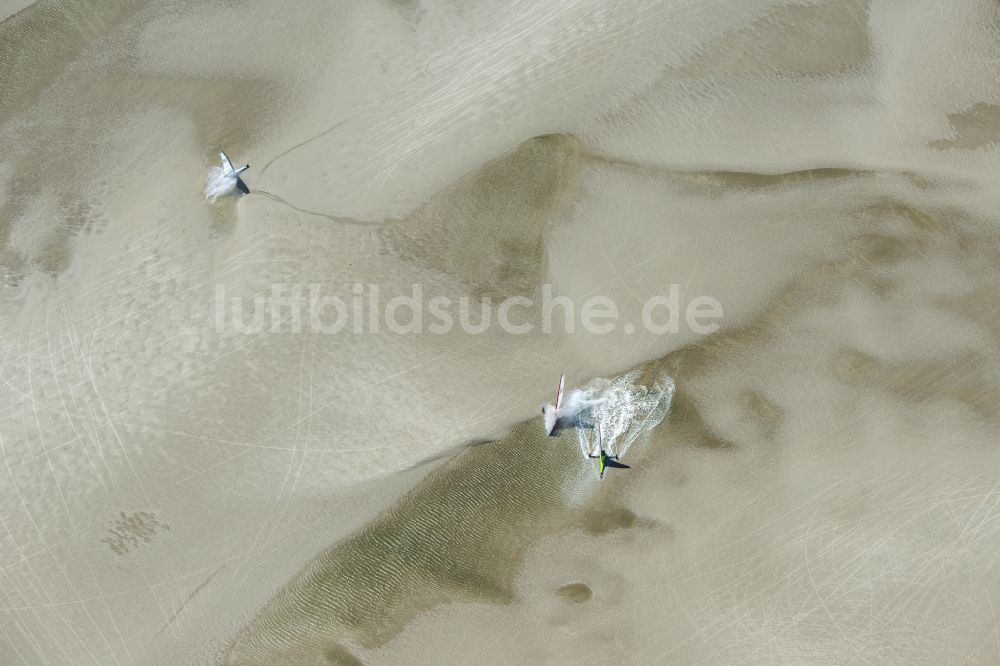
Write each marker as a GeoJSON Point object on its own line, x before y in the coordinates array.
{"type": "Point", "coordinates": [976, 127]}
{"type": "Point", "coordinates": [686, 418]}
{"type": "Point", "coordinates": [962, 378]}
{"type": "Point", "coordinates": [460, 535]}
{"type": "Point", "coordinates": [338, 655]}
{"type": "Point", "coordinates": [578, 593]}
{"type": "Point", "coordinates": [602, 521]}
{"type": "Point", "coordinates": [488, 229]}
{"type": "Point", "coordinates": [763, 410]}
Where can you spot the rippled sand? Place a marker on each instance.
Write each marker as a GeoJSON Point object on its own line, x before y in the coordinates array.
{"type": "Point", "coordinates": [824, 489]}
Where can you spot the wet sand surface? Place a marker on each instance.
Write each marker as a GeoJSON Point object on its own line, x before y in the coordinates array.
{"type": "Point", "coordinates": [824, 489]}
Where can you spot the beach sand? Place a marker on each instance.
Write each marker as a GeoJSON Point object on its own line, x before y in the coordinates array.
{"type": "Point", "coordinates": [824, 489]}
